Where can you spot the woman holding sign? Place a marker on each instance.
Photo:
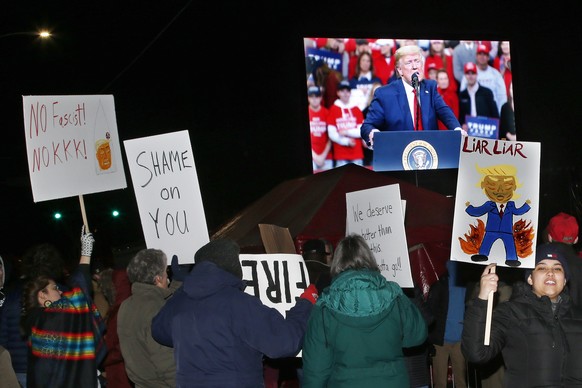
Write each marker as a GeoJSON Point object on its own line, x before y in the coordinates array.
{"type": "Point", "coordinates": [538, 331]}
{"type": "Point", "coordinates": [359, 325]}
{"type": "Point", "coordinates": [65, 329]}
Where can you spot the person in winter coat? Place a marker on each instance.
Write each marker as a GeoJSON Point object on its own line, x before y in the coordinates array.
{"type": "Point", "coordinates": [148, 364]}
{"type": "Point", "coordinates": [359, 325]}
{"type": "Point", "coordinates": [39, 259]}
{"type": "Point", "coordinates": [220, 333]}
{"type": "Point", "coordinates": [64, 329]}
{"type": "Point", "coordinates": [538, 331]}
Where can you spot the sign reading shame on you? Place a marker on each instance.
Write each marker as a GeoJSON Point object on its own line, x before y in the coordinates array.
{"type": "Point", "coordinates": [168, 195]}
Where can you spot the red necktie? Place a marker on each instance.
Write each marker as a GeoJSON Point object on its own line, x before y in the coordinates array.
{"type": "Point", "coordinates": [500, 210]}
{"type": "Point", "coordinates": [417, 113]}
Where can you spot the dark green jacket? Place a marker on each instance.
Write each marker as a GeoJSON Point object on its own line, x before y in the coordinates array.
{"type": "Point", "coordinates": [356, 333]}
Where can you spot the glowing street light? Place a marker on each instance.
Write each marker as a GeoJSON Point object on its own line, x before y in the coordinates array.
{"type": "Point", "coordinates": [43, 34]}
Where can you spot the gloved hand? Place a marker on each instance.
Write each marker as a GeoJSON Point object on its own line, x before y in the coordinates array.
{"type": "Point", "coordinates": [310, 294]}
{"type": "Point", "coordinates": [178, 273]}
{"type": "Point", "coordinates": [87, 241]}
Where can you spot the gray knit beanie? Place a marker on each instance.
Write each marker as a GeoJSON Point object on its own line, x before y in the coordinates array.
{"type": "Point", "coordinates": [222, 252]}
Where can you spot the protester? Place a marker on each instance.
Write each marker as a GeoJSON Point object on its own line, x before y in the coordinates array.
{"type": "Point", "coordinates": [537, 331]}
{"type": "Point", "coordinates": [65, 329]}
{"type": "Point", "coordinates": [393, 106]}
{"type": "Point", "coordinates": [220, 333]}
{"type": "Point", "coordinates": [39, 259]}
{"type": "Point", "coordinates": [7, 374]}
{"type": "Point", "coordinates": [147, 363]}
{"type": "Point", "coordinates": [359, 326]}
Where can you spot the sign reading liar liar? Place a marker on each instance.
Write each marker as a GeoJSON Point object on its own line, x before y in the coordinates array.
{"type": "Point", "coordinates": [277, 279]}
{"type": "Point", "coordinates": [377, 215]}
{"type": "Point", "coordinates": [72, 145]}
{"type": "Point", "coordinates": [168, 195]}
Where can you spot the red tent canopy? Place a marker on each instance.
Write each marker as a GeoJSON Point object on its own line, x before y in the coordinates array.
{"type": "Point", "coordinates": [315, 207]}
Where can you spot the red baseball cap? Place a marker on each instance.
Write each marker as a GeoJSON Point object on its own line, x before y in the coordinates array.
{"type": "Point", "coordinates": [563, 228]}
{"type": "Point", "coordinates": [482, 49]}
{"type": "Point", "coordinates": [470, 66]}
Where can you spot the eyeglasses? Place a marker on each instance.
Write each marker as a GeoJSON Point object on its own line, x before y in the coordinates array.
{"type": "Point", "coordinates": [409, 64]}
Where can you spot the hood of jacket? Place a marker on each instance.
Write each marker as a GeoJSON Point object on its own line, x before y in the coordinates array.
{"type": "Point", "coordinates": [206, 278]}
{"type": "Point", "coordinates": [360, 297]}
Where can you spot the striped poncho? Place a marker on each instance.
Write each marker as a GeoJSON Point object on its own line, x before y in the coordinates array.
{"type": "Point", "coordinates": [66, 342]}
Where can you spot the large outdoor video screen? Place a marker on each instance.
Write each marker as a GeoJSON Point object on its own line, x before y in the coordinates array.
{"type": "Point", "coordinates": [342, 75]}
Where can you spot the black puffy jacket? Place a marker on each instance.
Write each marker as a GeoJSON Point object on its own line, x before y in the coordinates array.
{"type": "Point", "coordinates": [541, 348]}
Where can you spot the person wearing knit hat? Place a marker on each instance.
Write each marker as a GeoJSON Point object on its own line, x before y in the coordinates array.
{"type": "Point", "coordinates": [535, 330]}
{"type": "Point", "coordinates": [563, 230]}
{"type": "Point", "coordinates": [224, 253]}
{"type": "Point", "coordinates": [220, 334]}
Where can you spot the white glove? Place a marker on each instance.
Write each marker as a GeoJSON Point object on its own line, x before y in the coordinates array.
{"type": "Point", "coordinates": [87, 241]}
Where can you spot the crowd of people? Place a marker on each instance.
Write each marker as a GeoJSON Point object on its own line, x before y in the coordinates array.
{"type": "Point", "coordinates": [155, 323]}
{"type": "Point", "coordinates": [365, 85]}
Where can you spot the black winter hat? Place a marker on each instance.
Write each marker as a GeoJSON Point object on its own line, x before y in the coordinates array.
{"type": "Point", "coordinates": [222, 252]}
{"type": "Point", "coordinates": [553, 251]}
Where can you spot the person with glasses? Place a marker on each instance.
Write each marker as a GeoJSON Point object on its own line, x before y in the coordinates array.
{"type": "Point", "coordinates": [64, 329]}
{"type": "Point", "coordinates": [393, 105]}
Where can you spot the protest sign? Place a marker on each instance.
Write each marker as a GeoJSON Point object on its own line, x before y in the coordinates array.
{"type": "Point", "coordinates": [72, 145]}
{"type": "Point", "coordinates": [497, 202]}
{"type": "Point", "coordinates": [277, 279]}
{"type": "Point", "coordinates": [168, 194]}
{"type": "Point", "coordinates": [377, 214]}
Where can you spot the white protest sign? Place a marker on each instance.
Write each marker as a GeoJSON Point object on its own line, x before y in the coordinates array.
{"type": "Point", "coordinates": [168, 195]}
{"type": "Point", "coordinates": [72, 145]}
{"type": "Point", "coordinates": [497, 202]}
{"type": "Point", "coordinates": [377, 215]}
{"type": "Point", "coordinates": [277, 279]}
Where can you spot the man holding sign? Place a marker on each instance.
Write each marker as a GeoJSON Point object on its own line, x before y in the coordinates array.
{"type": "Point", "coordinates": [223, 332]}
{"type": "Point", "coordinates": [537, 331]}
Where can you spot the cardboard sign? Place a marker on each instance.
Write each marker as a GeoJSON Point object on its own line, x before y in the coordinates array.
{"type": "Point", "coordinates": [493, 173]}
{"type": "Point", "coordinates": [72, 145]}
{"type": "Point", "coordinates": [377, 214]}
{"type": "Point", "coordinates": [277, 279]}
{"type": "Point", "coordinates": [168, 195]}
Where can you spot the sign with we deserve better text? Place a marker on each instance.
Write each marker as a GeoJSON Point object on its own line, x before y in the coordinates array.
{"type": "Point", "coordinates": [377, 215]}
{"type": "Point", "coordinates": [72, 145]}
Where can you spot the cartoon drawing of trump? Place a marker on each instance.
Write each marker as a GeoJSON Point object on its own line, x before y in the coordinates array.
{"type": "Point", "coordinates": [499, 184]}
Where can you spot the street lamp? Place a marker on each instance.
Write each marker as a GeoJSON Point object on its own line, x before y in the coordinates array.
{"type": "Point", "coordinates": [44, 34]}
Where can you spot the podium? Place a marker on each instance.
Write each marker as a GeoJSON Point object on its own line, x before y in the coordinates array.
{"type": "Point", "coordinates": [416, 150]}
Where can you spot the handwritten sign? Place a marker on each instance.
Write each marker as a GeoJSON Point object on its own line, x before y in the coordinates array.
{"type": "Point", "coordinates": [377, 215]}
{"type": "Point", "coordinates": [72, 145]}
{"type": "Point", "coordinates": [168, 195]}
{"type": "Point", "coordinates": [277, 279]}
{"type": "Point", "coordinates": [497, 202]}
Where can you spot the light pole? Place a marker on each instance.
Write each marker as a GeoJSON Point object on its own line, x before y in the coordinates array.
{"type": "Point", "coordinates": [44, 34]}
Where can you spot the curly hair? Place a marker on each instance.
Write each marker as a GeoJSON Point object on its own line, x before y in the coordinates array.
{"type": "Point", "coordinates": [352, 252]}
{"type": "Point", "coordinates": [44, 260]}
{"type": "Point", "coordinates": [29, 300]}
{"type": "Point", "coordinates": [146, 265]}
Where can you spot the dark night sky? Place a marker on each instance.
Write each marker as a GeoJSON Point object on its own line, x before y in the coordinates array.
{"type": "Point", "coordinates": [233, 75]}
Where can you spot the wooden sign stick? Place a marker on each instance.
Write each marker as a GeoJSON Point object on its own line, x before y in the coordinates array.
{"type": "Point", "coordinates": [83, 213]}
{"type": "Point", "coordinates": [489, 314]}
